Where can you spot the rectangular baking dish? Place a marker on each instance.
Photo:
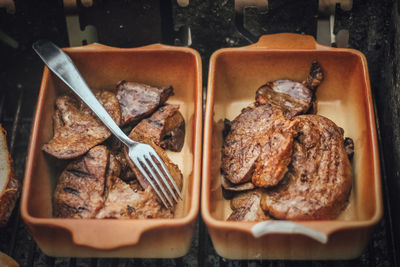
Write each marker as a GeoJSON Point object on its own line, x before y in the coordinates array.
{"type": "Point", "coordinates": [344, 96]}
{"type": "Point", "coordinates": [102, 67]}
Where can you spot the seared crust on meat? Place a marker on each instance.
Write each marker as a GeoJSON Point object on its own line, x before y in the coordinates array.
{"type": "Point", "coordinates": [246, 207]}
{"type": "Point", "coordinates": [166, 128]}
{"type": "Point", "coordinates": [80, 189]}
{"type": "Point", "coordinates": [318, 182]}
{"type": "Point", "coordinates": [172, 168]}
{"type": "Point", "coordinates": [315, 77]}
{"type": "Point", "coordinates": [139, 100]}
{"type": "Point", "coordinates": [77, 129]}
{"type": "Point", "coordinates": [258, 147]}
{"type": "Point", "coordinates": [126, 201]}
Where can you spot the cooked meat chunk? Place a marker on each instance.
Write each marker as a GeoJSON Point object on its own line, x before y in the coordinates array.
{"type": "Point", "coordinates": [77, 129]}
{"type": "Point", "coordinates": [126, 201]}
{"type": "Point", "coordinates": [293, 97]}
{"type": "Point", "coordinates": [236, 187]}
{"type": "Point", "coordinates": [166, 128]}
{"type": "Point", "coordinates": [315, 77]}
{"type": "Point", "coordinates": [80, 189]}
{"type": "Point", "coordinates": [246, 207]}
{"type": "Point", "coordinates": [139, 100]}
{"type": "Point", "coordinates": [172, 168]}
{"type": "Point", "coordinates": [349, 145]}
{"type": "Point", "coordinates": [318, 182]}
{"type": "Point", "coordinates": [259, 146]}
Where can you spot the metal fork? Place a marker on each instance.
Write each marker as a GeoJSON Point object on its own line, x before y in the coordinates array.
{"type": "Point", "coordinates": [142, 155]}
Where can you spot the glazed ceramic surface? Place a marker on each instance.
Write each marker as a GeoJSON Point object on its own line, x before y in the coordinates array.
{"type": "Point", "coordinates": [102, 67]}
{"type": "Point", "coordinates": [344, 96]}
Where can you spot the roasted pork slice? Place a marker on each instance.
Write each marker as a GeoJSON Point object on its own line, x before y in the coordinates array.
{"type": "Point", "coordinates": [293, 97]}
{"type": "Point", "coordinates": [80, 189]}
{"type": "Point", "coordinates": [318, 182]}
{"type": "Point", "coordinates": [258, 147]}
{"type": "Point", "coordinates": [172, 168]}
{"type": "Point", "coordinates": [139, 100]}
{"type": "Point", "coordinates": [77, 129]}
{"type": "Point", "coordinates": [246, 207]}
{"type": "Point", "coordinates": [166, 128]}
{"type": "Point", "coordinates": [130, 201]}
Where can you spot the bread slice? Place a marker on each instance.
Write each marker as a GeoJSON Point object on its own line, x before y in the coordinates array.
{"type": "Point", "coordinates": [6, 260]}
{"type": "Point", "coordinates": [9, 185]}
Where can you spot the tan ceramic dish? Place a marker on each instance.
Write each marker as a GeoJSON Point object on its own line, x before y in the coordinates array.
{"type": "Point", "coordinates": [344, 96]}
{"type": "Point", "coordinates": [103, 67]}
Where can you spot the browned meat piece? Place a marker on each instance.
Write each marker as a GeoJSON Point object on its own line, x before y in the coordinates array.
{"type": "Point", "coordinates": [349, 145]}
{"type": "Point", "coordinates": [236, 187]}
{"type": "Point", "coordinates": [126, 172]}
{"type": "Point", "coordinates": [258, 147]}
{"type": "Point", "coordinates": [318, 182]}
{"type": "Point", "coordinates": [293, 97]}
{"type": "Point", "coordinates": [77, 129]}
{"type": "Point", "coordinates": [126, 201]}
{"type": "Point", "coordinates": [166, 128]}
{"type": "Point", "coordinates": [80, 189]}
{"type": "Point", "coordinates": [140, 100]}
{"type": "Point", "coordinates": [246, 207]}
{"type": "Point", "coordinates": [315, 77]}
{"type": "Point", "coordinates": [172, 168]}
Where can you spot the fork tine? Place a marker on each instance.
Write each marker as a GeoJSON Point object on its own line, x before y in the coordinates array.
{"type": "Point", "coordinates": [146, 163]}
{"type": "Point", "coordinates": [162, 176]}
{"type": "Point", "coordinates": [138, 164]}
{"type": "Point", "coordinates": [160, 161]}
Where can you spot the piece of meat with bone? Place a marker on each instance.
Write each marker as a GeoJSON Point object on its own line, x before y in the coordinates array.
{"type": "Point", "coordinates": [130, 201]}
{"type": "Point", "coordinates": [293, 97]}
{"type": "Point", "coordinates": [318, 182]}
{"type": "Point", "coordinates": [80, 189]}
{"type": "Point", "coordinates": [246, 207]}
{"type": "Point", "coordinates": [76, 128]}
{"type": "Point", "coordinates": [172, 168]}
{"type": "Point", "coordinates": [258, 147]}
{"type": "Point", "coordinates": [139, 100]}
{"type": "Point", "coordinates": [166, 128]}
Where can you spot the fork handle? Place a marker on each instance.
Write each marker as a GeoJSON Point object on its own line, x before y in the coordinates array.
{"type": "Point", "coordinates": [61, 64]}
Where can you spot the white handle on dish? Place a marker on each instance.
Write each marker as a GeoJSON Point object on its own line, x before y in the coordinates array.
{"type": "Point", "coordinates": [286, 227]}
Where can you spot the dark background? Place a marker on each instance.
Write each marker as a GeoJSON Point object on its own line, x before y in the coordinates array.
{"type": "Point", "coordinates": [373, 28]}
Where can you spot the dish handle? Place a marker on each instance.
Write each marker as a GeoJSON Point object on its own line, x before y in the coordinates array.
{"type": "Point", "coordinates": [287, 227]}
{"type": "Point", "coordinates": [288, 41]}
{"type": "Point", "coordinates": [106, 234]}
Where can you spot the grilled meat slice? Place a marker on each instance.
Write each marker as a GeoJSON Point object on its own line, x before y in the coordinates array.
{"type": "Point", "coordinates": [293, 97]}
{"type": "Point", "coordinates": [172, 168]}
{"type": "Point", "coordinates": [258, 147]}
{"type": "Point", "coordinates": [77, 129]}
{"type": "Point", "coordinates": [246, 207]}
{"type": "Point", "coordinates": [318, 182]}
{"type": "Point", "coordinates": [166, 128]}
{"type": "Point", "coordinates": [139, 100]}
{"type": "Point", "coordinates": [227, 185]}
{"type": "Point", "coordinates": [80, 189]}
{"type": "Point", "coordinates": [130, 201]}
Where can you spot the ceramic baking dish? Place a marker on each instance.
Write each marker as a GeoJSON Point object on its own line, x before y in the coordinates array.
{"type": "Point", "coordinates": [344, 96]}
{"type": "Point", "coordinates": [103, 67]}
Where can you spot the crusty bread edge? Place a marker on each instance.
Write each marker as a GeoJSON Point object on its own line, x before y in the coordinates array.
{"type": "Point", "coordinates": [10, 194]}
